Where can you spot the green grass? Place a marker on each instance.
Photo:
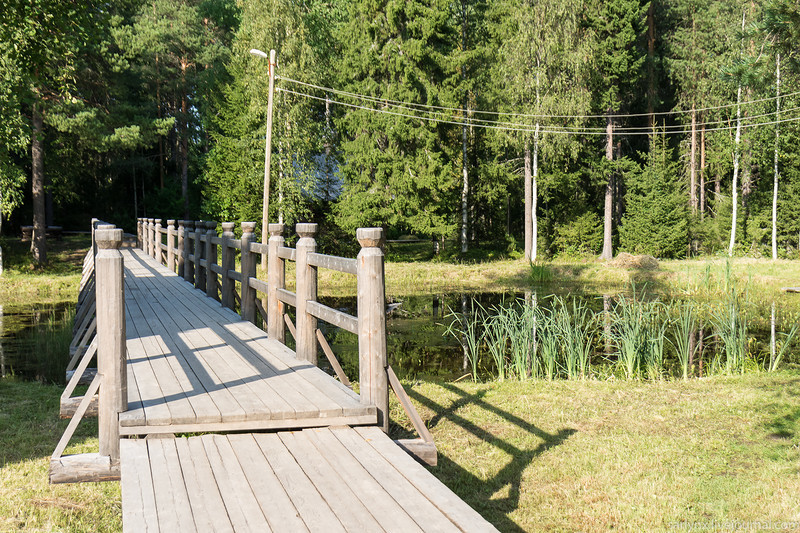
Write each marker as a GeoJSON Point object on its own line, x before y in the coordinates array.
{"type": "Point", "coordinates": [29, 431]}
{"type": "Point", "coordinates": [601, 455]}
{"type": "Point", "coordinates": [23, 282]}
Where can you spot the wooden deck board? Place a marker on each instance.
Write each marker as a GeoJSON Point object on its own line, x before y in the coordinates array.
{"type": "Point", "coordinates": [290, 481]}
{"type": "Point", "coordinates": [197, 366]}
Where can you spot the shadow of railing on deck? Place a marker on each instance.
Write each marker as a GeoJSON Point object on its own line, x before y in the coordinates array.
{"type": "Point", "coordinates": [474, 491]}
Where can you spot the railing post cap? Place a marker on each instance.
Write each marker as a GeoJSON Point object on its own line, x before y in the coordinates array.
{"type": "Point", "coordinates": [227, 227]}
{"type": "Point", "coordinates": [210, 224]}
{"type": "Point", "coordinates": [170, 222]}
{"type": "Point", "coordinates": [158, 221]}
{"type": "Point", "coordinates": [104, 227]}
{"type": "Point", "coordinates": [306, 229]}
{"type": "Point", "coordinates": [248, 227]}
{"type": "Point", "coordinates": [151, 220]}
{"type": "Point", "coordinates": [370, 237]}
{"type": "Point", "coordinates": [276, 230]}
{"type": "Point", "coordinates": [189, 223]}
{"type": "Point", "coordinates": [108, 238]}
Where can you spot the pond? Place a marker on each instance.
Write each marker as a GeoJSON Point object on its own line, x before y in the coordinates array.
{"type": "Point", "coordinates": [34, 340]}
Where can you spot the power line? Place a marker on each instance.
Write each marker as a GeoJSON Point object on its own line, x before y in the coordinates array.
{"type": "Point", "coordinates": [543, 129]}
{"type": "Point", "coordinates": [420, 107]}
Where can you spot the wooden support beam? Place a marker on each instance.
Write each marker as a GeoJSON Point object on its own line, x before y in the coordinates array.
{"type": "Point", "coordinates": [70, 406]}
{"type": "Point", "coordinates": [171, 244]}
{"type": "Point", "coordinates": [372, 360]}
{"type": "Point", "coordinates": [306, 344]}
{"type": "Point", "coordinates": [424, 452]}
{"type": "Point", "coordinates": [111, 354]}
{"type": "Point", "coordinates": [228, 263]}
{"type": "Point", "coordinates": [248, 271]}
{"type": "Point", "coordinates": [326, 349]}
{"type": "Point", "coordinates": [211, 260]}
{"type": "Point", "coordinates": [83, 468]}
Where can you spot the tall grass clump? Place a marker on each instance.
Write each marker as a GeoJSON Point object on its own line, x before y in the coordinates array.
{"type": "Point", "coordinates": [576, 326]}
{"type": "Point", "coordinates": [637, 332]}
{"type": "Point", "coordinates": [684, 326]}
{"type": "Point", "coordinates": [468, 329]}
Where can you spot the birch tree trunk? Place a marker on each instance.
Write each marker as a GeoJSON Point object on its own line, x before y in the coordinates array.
{"type": "Point", "coordinates": [702, 171]}
{"type": "Point", "coordinates": [534, 196]}
{"type": "Point", "coordinates": [734, 190]}
{"type": "Point", "coordinates": [693, 164]}
{"type": "Point", "coordinates": [528, 201]}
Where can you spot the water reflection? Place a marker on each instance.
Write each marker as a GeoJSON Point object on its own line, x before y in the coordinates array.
{"type": "Point", "coordinates": [31, 341]}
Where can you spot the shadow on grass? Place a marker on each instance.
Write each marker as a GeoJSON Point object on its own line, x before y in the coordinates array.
{"type": "Point", "coordinates": [476, 492]}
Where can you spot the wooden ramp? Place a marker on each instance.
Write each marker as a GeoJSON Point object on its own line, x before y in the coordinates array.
{"type": "Point", "coordinates": [325, 479]}
{"type": "Point", "coordinates": [196, 366]}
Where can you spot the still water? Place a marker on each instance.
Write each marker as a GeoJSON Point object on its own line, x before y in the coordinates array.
{"type": "Point", "coordinates": [27, 338]}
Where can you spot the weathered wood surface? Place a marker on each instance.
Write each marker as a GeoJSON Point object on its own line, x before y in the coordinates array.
{"type": "Point", "coordinates": [323, 479]}
{"type": "Point", "coordinates": [194, 365]}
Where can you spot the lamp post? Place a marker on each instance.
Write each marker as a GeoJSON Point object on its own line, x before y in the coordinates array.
{"type": "Point", "coordinates": [268, 149]}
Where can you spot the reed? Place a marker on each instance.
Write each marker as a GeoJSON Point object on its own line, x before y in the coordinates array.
{"type": "Point", "coordinates": [684, 326]}
{"type": "Point", "coordinates": [467, 329]}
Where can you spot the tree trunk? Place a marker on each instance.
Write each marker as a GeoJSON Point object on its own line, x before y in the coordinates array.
{"type": "Point", "coordinates": [184, 144]}
{"type": "Point", "coordinates": [464, 188]}
{"type": "Point", "coordinates": [776, 173]}
{"type": "Point", "coordinates": [651, 71]}
{"type": "Point", "coordinates": [528, 201]}
{"type": "Point", "coordinates": [608, 212]}
{"type": "Point", "coordinates": [534, 196]}
{"type": "Point", "coordinates": [693, 164]}
{"type": "Point", "coordinates": [39, 240]}
{"type": "Point", "coordinates": [734, 190]}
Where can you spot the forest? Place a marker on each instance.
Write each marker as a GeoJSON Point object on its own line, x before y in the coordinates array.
{"type": "Point", "coordinates": [545, 128]}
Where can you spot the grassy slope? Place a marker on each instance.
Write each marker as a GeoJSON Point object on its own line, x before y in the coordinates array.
{"type": "Point", "coordinates": [591, 456]}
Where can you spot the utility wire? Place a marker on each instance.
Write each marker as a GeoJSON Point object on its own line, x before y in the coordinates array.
{"type": "Point", "coordinates": [415, 106]}
{"type": "Point", "coordinates": [531, 129]}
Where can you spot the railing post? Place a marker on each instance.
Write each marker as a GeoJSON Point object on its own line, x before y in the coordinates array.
{"type": "Point", "coordinates": [211, 259]}
{"type": "Point", "coordinates": [372, 359]}
{"type": "Point", "coordinates": [276, 279]}
{"type": "Point", "coordinates": [199, 278]}
{"type": "Point", "coordinates": [171, 245]}
{"type": "Point", "coordinates": [181, 243]}
{"type": "Point", "coordinates": [139, 243]}
{"type": "Point", "coordinates": [157, 233]}
{"type": "Point", "coordinates": [146, 226]}
{"type": "Point", "coordinates": [152, 236]}
{"type": "Point", "coordinates": [111, 357]}
{"type": "Point", "coordinates": [227, 264]}
{"type": "Point", "coordinates": [188, 249]}
{"type": "Point", "coordinates": [248, 271]}
{"type": "Point", "coordinates": [306, 341]}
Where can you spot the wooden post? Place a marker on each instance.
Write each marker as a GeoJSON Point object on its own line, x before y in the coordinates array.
{"type": "Point", "coordinates": [148, 239]}
{"type": "Point", "coordinates": [139, 242]}
{"type": "Point", "coordinates": [152, 236]}
{"type": "Point", "coordinates": [157, 233]}
{"type": "Point", "coordinates": [372, 360]}
{"type": "Point", "coordinates": [171, 245]}
{"type": "Point", "coordinates": [248, 271]}
{"type": "Point", "coordinates": [188, 249]}
{"type": "Point", "coordinates": [227, 264]}
{"type": "Point", "coordinates": [276, 279]}
{"type": "Point", "coordinates": [111, 356]}
{"type": "Point", "coordinates": [211, 259]}
{"type": "Point", "coordinates": [306, 325]}
{"type": "Point", "coordinates": [199, 273]}
{"type": "Point", "coordinates": [273, 64]}
{"type": "Point", "coordinates": [181, 236]}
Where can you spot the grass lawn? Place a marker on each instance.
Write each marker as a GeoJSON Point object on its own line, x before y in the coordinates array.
{"type": "Point", "coordinates": [631, 456]}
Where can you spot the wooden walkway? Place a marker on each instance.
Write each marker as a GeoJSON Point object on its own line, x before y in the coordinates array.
{"type": "Point", "coordinates": [326, 480]}
{"type": "Point", "coordinates": [284, 446]}
{"type": "Point", "coordinates": [196, 366]}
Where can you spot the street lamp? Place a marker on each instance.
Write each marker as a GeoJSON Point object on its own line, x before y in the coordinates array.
{"type": "Point", "coordinates": [268, 148]}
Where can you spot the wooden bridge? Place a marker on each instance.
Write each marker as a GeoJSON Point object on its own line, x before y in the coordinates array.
{"type": "Point", "coordinates": [282, 445]}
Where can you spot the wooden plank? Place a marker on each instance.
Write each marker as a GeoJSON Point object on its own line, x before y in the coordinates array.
{"type": "Point", "coordinates": [83, 468]}
{"type": "Point", "coordinates": [287, 297]}
{"type": "Point", "coordinates": [209, 509]}
{"type": "Point", "coordinates": [287, 253]}
{"type": "Point", "coordinates": [172, 471]}
{"type": "Point", "coordinates": [382, 506]}
{"type": "Point", "coordinates": [259, 248]}
{"type": "Point", "coordinates": [332, 316]}
{"type": "Point", "coordinates": [408, 407]}
{"type": "Point", "coordinates": [461, 514]}
{"type": "Point", "coordinates": [326, 349]}
{"type": "Point", "coordinates": [409, 497]}
{"type": "Point", "coordinates": [138, 495]}
{"type": "Point", "coordinates": [230, 479]}
{"type": "Point", "coordinates": [313, 509]}
{"type": "Point", "coordinates": [168, 514]}
{"type": "Point", "coordinates": [332, 262]}
{"type": "Point", "coordinates": [352, 513]}
{"type": "Point", "coordinates": [258, 285]}
{"type": "Point", "coordinates": [275, 503]}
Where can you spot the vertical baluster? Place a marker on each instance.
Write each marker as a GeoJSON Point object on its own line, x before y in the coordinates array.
{"type": "Point", "coordinates": [372, 359]}
{"type": "Point", "coordinates": [306, 325]}
{"type": "Point", "coordinates": [248, 271]}
{"type": "Point", "coordinates": [227, 265]}
{"type": "Point", "coordinates": [211, 259]}
{"type": "Point", "coordinates": [276, 279]}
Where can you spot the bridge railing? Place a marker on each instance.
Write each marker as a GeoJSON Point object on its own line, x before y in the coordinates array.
{"type": "Point", "coordinates": [196, 252]}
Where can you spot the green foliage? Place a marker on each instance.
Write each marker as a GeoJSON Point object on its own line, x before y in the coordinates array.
{"type": "Point", "coordinates": [582, 236]}
{"type": "Point", "coordinates": [656, 219]}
